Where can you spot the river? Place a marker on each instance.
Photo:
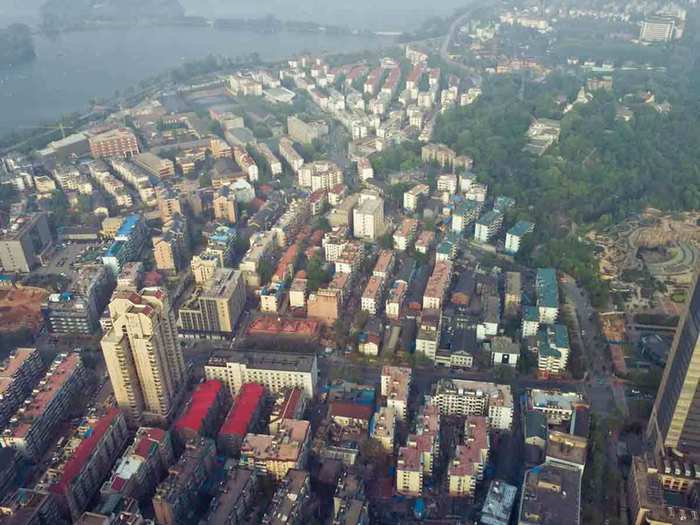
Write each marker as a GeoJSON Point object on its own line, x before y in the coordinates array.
{"type": "Point", "coordinates": [74, 67]}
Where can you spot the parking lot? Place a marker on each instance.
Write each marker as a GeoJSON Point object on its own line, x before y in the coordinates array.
{"type": "Point", "coordinates": [66, 259]}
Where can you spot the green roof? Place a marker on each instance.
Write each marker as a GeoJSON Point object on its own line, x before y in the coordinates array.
{"type": "Point", "coordinates": [531, 313]}
{"type": "Point", "coordinates": [521, 228]}
{"type": "Point", "coordinates": [547, 288]}
{"type": "Point", "coordinates": [490, 217]}
{"type": "Point", "coordinates": [552, 339]}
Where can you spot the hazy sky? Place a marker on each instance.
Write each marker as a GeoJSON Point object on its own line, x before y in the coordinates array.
{"type": "Point", "coordinates": [374, 14]}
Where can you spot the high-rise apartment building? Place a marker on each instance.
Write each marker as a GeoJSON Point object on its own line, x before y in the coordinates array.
{"type": "Point", "coordinates": [144, 360]}
{"type": "Point", "coordinates": [675, 418]}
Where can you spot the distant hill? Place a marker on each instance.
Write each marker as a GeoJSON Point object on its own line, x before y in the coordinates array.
{"type": "Point", "coordinates": [69, 14]}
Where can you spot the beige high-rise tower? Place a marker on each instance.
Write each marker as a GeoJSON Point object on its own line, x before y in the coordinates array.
{"type": "Point", "coordinates": [144, 360]}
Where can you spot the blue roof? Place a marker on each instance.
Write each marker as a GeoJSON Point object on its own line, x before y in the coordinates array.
{"type": "Point", "coordinates": [521, 228]}
{"type": "Point", "coordinates": [115, 248]}
{"type": "Point", "coordinates": [128, 225]}
{"type": "Point", "coordinates": [530, 313]}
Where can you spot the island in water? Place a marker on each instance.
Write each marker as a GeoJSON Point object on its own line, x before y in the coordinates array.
{"type": "Point", "coordinates": [16, 45]}
{"type": "Point", "coordinates": [59, 15]}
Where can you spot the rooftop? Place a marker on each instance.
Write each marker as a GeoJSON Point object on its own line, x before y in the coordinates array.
{"type": "Point", "coordinates": [229, 495]}
{"type": "Point", "coordinates": [201, 402]}
{"type": "Point", "coordinates": [551, 496]}
{"type": "Point", "coordinates": [547, 288]}
{"type": "Point", "coordinates": [499, 503]}
{"type": "Point", "coordinates": [351, 410]}
{"type": "Point", "coordinates": [244, 408]}
{"type": "Point", "coordinates": [266, 360]}
{"type": "Point", "coordinates": [554, 399]}
{"type": "Point", "coordinates": [521, 228]}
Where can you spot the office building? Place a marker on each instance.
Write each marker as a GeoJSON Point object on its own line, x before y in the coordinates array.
{"type": "Point", "coordinates": [275, 455]}
{"type": "Point", "coordinates": [675, 419]}
{"type": "Point", "coordinates": [23, 242]}
{"type": "Point", "coordinates": [288, 503]}
{"type": "Point", "coordinates": [143, 357]}
{"type": "Point", "coordinates": [235, 498]}
{"type": "Point", "coordinates": [177, 498]}
{"type": "Point", "coordinates": [114, 143]}
{"type": "Point", "coordinates": [32, 429]}
{"type": "Point", "coordinates": [214, 308]}
{"type": "Point", "coordinates": [275, 371]}
{"type": "Point", "coordinates": [85, 461]}
{"type": "Point", "coordinates": [19, 373]}
{"type": "Point", "coordinates": [474, 398]}
{"type": "Point", "coordinates": [141, 467]}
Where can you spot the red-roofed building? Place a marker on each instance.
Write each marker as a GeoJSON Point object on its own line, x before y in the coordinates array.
{"type": "Point", "coordinates": [142, 466]}
{"type": "Point", "coordinates": [203, 413]}
{"type": "Point", "coordinates": [151, 279]}
{"type": "Point", "coordinates": [241, 418]}
{"type": "Point", "coordinates": [85, 461]}
{"type": "Point", "coordinates": [350, 414]}
{"type": "Point", "coordinates": [289, 405]}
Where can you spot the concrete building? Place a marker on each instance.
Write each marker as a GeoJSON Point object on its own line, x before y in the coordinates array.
{"type": "Point", "coordinates": [170, 203]}
{"type": "Point", "coordinates": [27, 506]}
{"type": "Point", "coordinates": [144, 360]}
{"type": "Point", "coordinates": [395, 300]}
{"type": "Point", "coordinates": [439, 154]}
{"type": "Point", "coordinates": [372, 295]}
{"type": "Point", "coordinates": [474, 398]}
{"type": "Point", "coordinates": [557, 406]}
{"type": "Point", "coordinates": [383, 428]}
{"type": "Point", "coordinates": [289, 501]}
{"type": "Point", "coordinates": [23, 241]}
{"type": "Point", "coordinates": [224, 205]}
{"type": "Point", "coordinates": [412, 198]}
{"type": "Point", "coordinates": [142, 466]}
{"type": "Point", "coordinates": [305, 132]}
{"type": "Point", "coordinates": [273, 162]}
{"type": "Point", "coordinates": [547, 289]}
{"type": "Point", "coordinates": [395, 387]}
{"type": "Point", "coordinates": [513, 294]}
{"type": "Point", "coordinates": [320, 175]}
{"type": "Point", "coordinates": [85, 460]}
{"type": "Point", "coordinates": [551, 495]}
{"type": "Point", "coordinates": [409, 472]}
{"type": "Point", "coordinates": [349, 502]}
{"type": "Point", "coordinates": [405, 234]}
{"type": "Point", "coordinates": [514, 236]}
{"type": "Point", "coordinates": [368, 219]}
{"type": "Point", "coordinates": [438, 286]}
{"type": "Point", "coordinates": [119, 142]}
{"type": "Point", "coordinates": [504, 352]}
{"type": "Point", "coordinates": [464, 215]}
{"type": "Point", "coordinates": [178, 496]}
{"type": "Point", "coordinates": [499, 503]}
{"type": "Point", "coordinates": [203, 412]}
{"type": "Point", "coordinates": [275, 371]}
{"type": "Point", "coordinates": [241, 419]}
{"type": "Point", "coordinates": [553, 350]}
{"type": "Point", "coordinates": [171, 249]}
{"type": "Point", "coordinates": [154, 165]}
{"type": "Point", "coordinates": [467, 466]}
{"type": "Point", "coordinates": [658, 29]}
{"type": "Point", "coordinates": [214, 307]}
{"type": "Point", "coordinates": [290, 154]}
{"type": "Point", "coordinates": [488, 226]}
{"type": "Point", "coordinates": [275, 455]}
{"type": "Point", "coordinates": [19, 373]}
{"type": "Point", "coordinates": [673, 423]}
{"type": "Point", "coordinates": [32, 428]}
{"type": "Point", "coordinates": [234, 499]}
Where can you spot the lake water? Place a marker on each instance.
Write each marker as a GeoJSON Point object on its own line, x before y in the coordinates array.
{"type": "Point", "coordinates": [74, 67]}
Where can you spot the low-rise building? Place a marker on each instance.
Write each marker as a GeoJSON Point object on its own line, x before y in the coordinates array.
{"type": "Point", "coordinates": [383, 428]}
{"type": "Point", "coordinates": [405, 234]}
{"type": "Point", "coordinates": [177, 497]}
{"type": "Point", "coordinates": [499, 503]}
{"type": "Point", "coordinates": [372, 295]}
{"type": "Point", "coordinates": [488, 225]}
{"type": "Point", "coordinates": [395, 300]}
{"type": "Point", "coordinates": [242, 417]}
{"type": "Point", "coordinates": [474, 398]}
{"type": "Point", "coordinates": [85, 460]}
{"type": "Point", "coordinates": [289, 501]}
{"type": "Point", "coordinates": [395, 388]}
{"type": "Point", "coordinates": [409, 472]}
{"type": "Point", "coordinates": [515, 235]}
{"type": "Point", "coordinates": [19, 373]}
{"type": "Point", "coordinates": [32, 428]}
{"type": "Point", "coordinates": [275, 371]}
{"type": "Point", "coordinates": [203, 412]}
{"type": "Point", "coordinates": [553, 350]}
{"type": "Point", "coordinates": [551, 495]}
{"type": "Point", "coordinates": [504, 351]}
{"type": "Point", "coordinates": [467, 466]}
{"type": "Point", "coordinates": [438, 285]}
{"type": "Point", "coordinates": [275, 455]}
{"type": "Point", "coordinates": [557, 406]}
{"type": "Point", "coordinates": [547, 289]}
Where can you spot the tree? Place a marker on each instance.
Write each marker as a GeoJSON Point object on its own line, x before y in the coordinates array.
{"type": "Point", "coordinates": [265, 271]}
{"type": "Point", "coordinates": [386, 241]}
{"type": "Point", "coordinates": [315, 273]}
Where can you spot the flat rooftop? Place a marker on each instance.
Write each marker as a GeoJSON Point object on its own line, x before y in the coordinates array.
{"type": "Point", "coordinates": [550, 496]}
{"type": "Point", "coordinates": [265, 360]}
